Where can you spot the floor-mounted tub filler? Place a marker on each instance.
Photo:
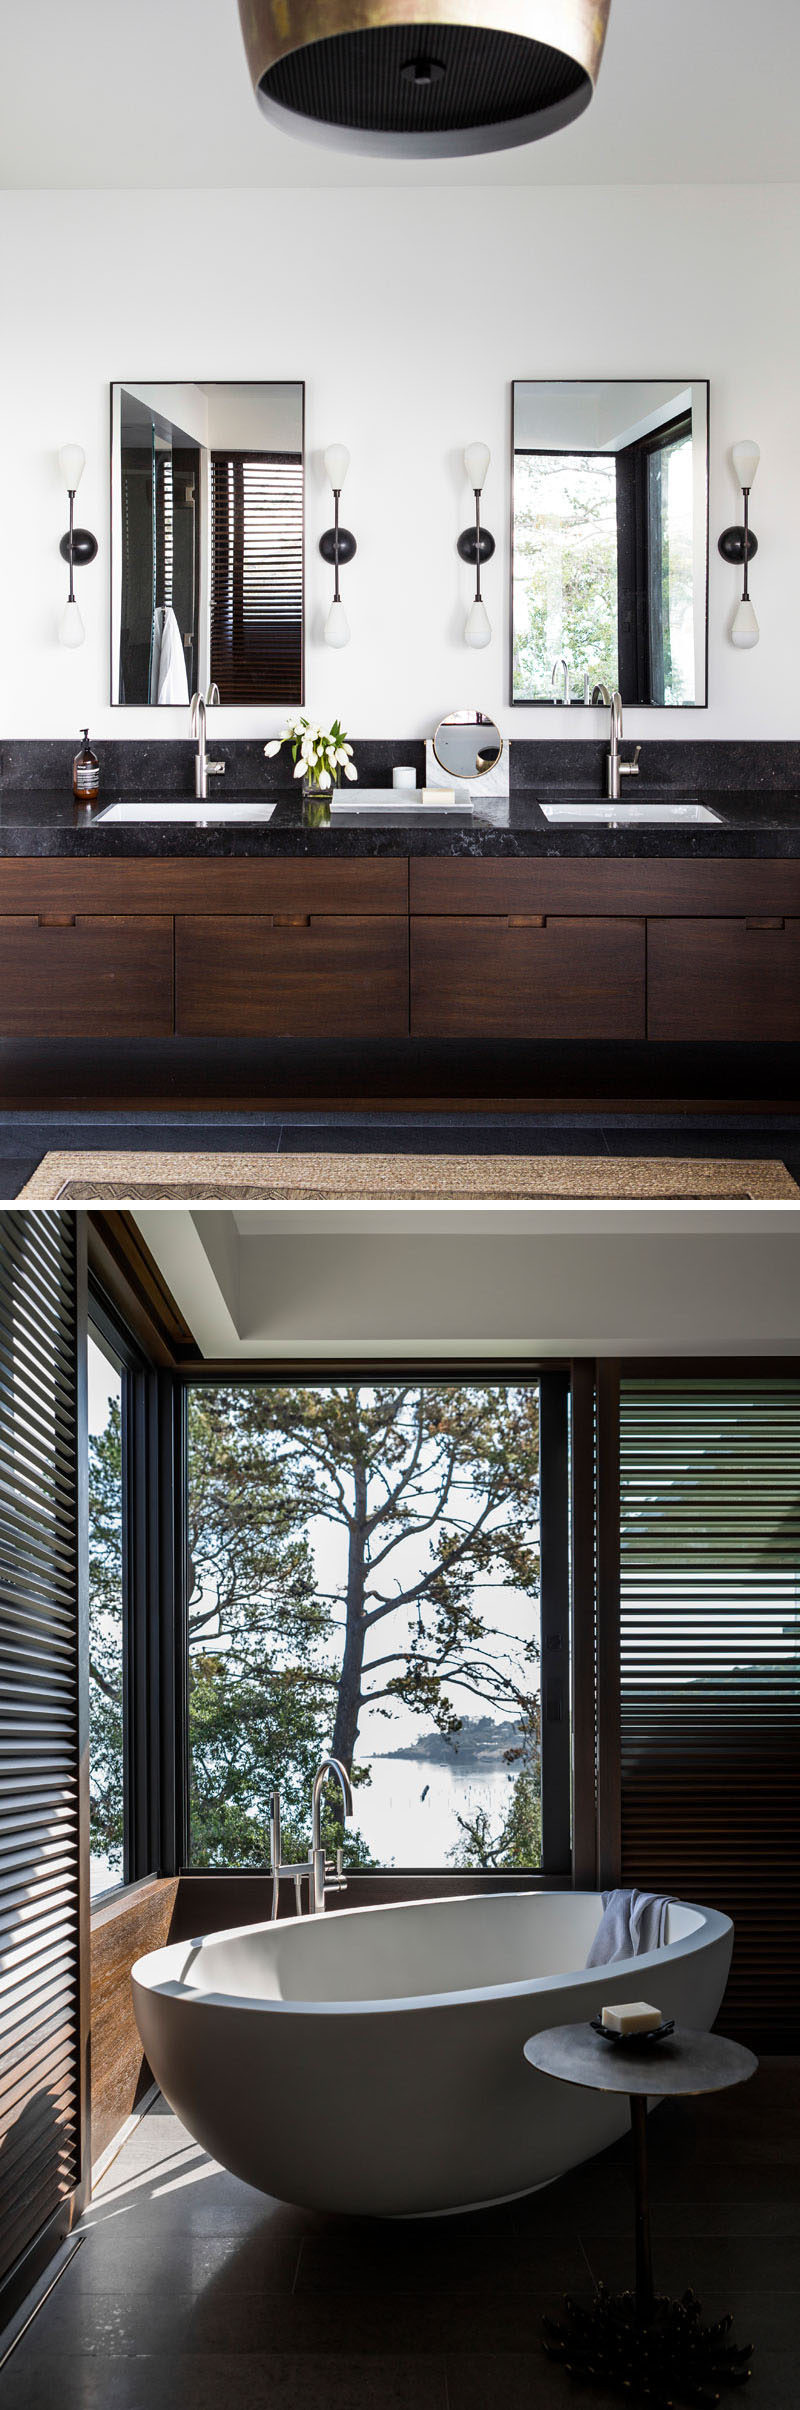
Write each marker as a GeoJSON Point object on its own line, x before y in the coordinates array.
{"type": "Point", "coordinates": [370, 2061]}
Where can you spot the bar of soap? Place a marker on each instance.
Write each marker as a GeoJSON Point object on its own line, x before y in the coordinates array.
{"type": "Point", "coordinates": [438, 794]}
{"type": "Point", "coordinates": [630, 2016]}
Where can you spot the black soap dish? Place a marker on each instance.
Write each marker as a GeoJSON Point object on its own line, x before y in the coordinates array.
{"type": "Point", "coordinates": [633, 2041]}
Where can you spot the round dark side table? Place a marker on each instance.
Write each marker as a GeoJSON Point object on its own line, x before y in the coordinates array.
{"type": "Point", "coordinates": [653, 2349]}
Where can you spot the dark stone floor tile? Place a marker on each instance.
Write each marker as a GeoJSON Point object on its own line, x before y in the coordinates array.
{"type": "Point", "coordinates": [479, 1142]}
{"type": "Point", "coordinates": [512, 2380]}
{"type": "Point", "coordinates": [774, 2384]}
{"type": "Point", "coordinates": [728, 2219]}
{"type": "Point", "coordinates": [452, 2314]}
{"type": "Point", "coordinates": [229, 2381]}
{"type": "Point", "coordinates": [133, 1140]}
{"type": "Point", "coordinates": [724, 2273]}
{"type": "Point", "coordinates": [176, 2263]}
{"type": "Point", "coordinates": [15, 1171]}
{"type": "Point", "coordinates": [448, 2261]}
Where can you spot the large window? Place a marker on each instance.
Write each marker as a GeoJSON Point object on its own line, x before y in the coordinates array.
{"type": "Point", "coordinates": [364, 1575]}
{"type": "Point", "coordinates": [106, 1620]}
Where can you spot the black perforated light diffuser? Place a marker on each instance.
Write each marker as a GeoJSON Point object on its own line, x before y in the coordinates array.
{"type": "Point", "coordinates": [424, 88]}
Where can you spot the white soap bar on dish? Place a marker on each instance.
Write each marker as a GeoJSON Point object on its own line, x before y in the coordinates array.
{"type": "Point", "coordinates": [630, 2016]}
{"type": "Point", "coordinates": [438, 794]}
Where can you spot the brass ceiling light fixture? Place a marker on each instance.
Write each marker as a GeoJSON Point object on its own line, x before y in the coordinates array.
{"type": "Point", "coordinates": [424, 79]}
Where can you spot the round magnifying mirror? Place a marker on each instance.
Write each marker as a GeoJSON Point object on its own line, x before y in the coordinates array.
{"type": "Point", "coordinates": [466, 745]}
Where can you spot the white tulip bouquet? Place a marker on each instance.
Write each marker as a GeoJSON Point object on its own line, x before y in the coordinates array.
{"type": "Point", "coordinates": [318, 753]}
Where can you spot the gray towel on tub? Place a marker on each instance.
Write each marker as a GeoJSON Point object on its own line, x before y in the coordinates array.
{"type": "Point", "coordinates": [632, 1923]}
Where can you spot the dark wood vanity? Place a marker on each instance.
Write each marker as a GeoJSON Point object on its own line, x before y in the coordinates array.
{"type": "Point", "coordinates": [395, 948]}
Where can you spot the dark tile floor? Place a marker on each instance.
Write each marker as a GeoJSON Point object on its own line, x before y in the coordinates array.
{"type": "Point", "coordinates": [26, 1137]}
{"type": "Point", "coordinates": [191, 2292]}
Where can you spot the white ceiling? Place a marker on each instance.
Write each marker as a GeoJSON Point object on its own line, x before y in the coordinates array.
{"type": "Point", "coordinates": [94, 92]}
{"type": "Point", "coordinates": [455, 1281]}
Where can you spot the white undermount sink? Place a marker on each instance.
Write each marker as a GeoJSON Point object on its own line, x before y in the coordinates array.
{"type": "Point", "coordinates": [607, 814]}
{"type": "Point", "coordinates": [198, 814]}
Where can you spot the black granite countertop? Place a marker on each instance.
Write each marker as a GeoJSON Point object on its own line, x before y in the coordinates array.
{"type": "Point", "coordinates": [750, 825]}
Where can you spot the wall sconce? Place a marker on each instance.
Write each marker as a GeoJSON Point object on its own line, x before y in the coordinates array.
{"type": "Point", "coordinates": [337, 545]}
{"type": "Point", "coordinates": [739, 545]}
{"type": "Point", "coordinates": [476, 546]}
{"type": "Point", "coordinates": [78, 546]}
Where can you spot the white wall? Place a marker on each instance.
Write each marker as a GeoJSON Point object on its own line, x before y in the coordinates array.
{"type": "Point", "coordinates": [371, 297]}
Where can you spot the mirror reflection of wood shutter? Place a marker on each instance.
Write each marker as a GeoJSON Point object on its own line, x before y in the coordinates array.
{"type": "Point", "coordinates": [257, 576]}
{"type": "Point", "coordinates": [710, 1669]}
{"type": "Point", "coordinates": [40, 1733]}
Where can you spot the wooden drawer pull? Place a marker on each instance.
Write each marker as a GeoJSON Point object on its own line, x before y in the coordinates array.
{"type": "Point", "coordinates": [55, 920]}
{"type": "Point", "coordinates": [527, 920]}
{"type": "Point", "coordinates": [291, 920]}
{"type": "Point", "coordinates": [765, 924]}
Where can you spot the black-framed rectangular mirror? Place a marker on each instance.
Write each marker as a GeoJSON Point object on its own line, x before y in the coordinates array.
{"type": "Point", "coordinates": [207, 543]}
{"type": "Point", "coordinates": [609, 541]}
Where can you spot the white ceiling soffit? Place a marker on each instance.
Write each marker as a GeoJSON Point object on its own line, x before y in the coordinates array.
{"type": "Point", "coordinates": [373, 1282]}
{"type": "Point", "coordinates": [94, 93]}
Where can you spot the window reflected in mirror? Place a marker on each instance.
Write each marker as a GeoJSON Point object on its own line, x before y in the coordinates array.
{"type": "Point", "coordinates": [610, 542]}
{"type": "Point", "coordinates": [207, 543]}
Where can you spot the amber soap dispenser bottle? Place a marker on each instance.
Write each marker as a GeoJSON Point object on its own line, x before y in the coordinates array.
{"type": "Point", "coordinates": [85, 772]}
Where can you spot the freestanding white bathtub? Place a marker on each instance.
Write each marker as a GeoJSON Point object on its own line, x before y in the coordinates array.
{"type": "Point", "coordinates": [370, 2060]}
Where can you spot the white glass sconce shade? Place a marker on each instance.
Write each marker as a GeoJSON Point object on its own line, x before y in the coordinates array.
{"type": "Point", "coordinates": [72, 462]}
{"type": "Point", "coordinates": [71, 630]}
{"type": "Point", "coordinates": [337, 463]}
{"type": "Point", "coordinates": [476, 463]}
{"type": "Point", "coordinates": [336, 626]}
{"type": "Point", "coordinates": [745, 630]}
{"type": "Point", "coordinates": [746, 457]}
{"type": "Point", "coordinates": [478, 631]}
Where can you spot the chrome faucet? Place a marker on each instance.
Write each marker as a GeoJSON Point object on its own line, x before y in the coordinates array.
{"type": "Point", "coordinates": [295, 1874]}
{"type": "Point", "coordinates": [323, 1878]}
{"type": "Point", "coordinates": [312, 1870]}
{"type": "Point", "coordinates": [562, 664]}
{"type": "Point", "coordinates": [203, 768]}
{"type": "Point", "coordinates": [615, 767]}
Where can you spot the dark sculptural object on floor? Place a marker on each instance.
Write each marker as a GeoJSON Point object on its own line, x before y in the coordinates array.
{"type": "Point", "coordinates": [669, 2358]}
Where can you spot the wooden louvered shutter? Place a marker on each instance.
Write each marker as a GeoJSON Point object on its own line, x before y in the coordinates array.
{"type": "Point", "coordinates": [257, 576]}
{"type": "Point", "coordinates": [710, 1669]}
{"type": "Point", "coordinates": [40, 1956]}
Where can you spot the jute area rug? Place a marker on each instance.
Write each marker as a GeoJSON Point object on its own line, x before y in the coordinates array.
{"type": "Point", "coordinates": [135, 1178]}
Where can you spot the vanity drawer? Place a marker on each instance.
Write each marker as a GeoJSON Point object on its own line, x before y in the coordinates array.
{"type": "Point", "coordinates": [284, 975]}
{"type": "Point", "coordinates": [734, 979]}
{"type": "Point", "coordinates": [527, 976]}
{"type": "Point", "coordinates": [85, 975]}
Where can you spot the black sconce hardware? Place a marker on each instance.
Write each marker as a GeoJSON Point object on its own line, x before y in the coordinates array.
{"type": "Point", "coordinates": [337, 545]}
{"type": "Point", "coordinates": [476, 546]}
{"type": "Point", "coordinates": [78, 546]}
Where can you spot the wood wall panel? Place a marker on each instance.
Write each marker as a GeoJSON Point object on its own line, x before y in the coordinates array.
{"type": "Point", "coordinates": [123, 1928]}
